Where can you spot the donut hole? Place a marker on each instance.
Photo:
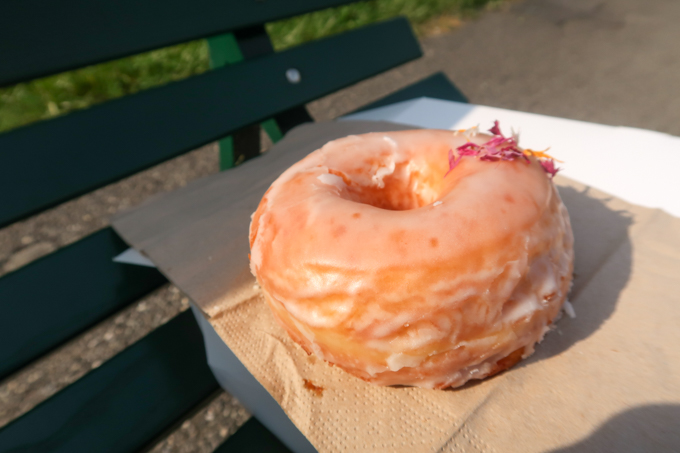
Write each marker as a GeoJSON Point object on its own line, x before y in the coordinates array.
{"type": "Point", "coordinates": [402, 189]}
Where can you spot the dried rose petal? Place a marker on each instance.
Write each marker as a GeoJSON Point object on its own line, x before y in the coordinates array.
{"type": "Point", "coordinates": [501, 148]}
{"type": "Point", "coordinates": [453, 161]}
{"type": "Point", "coordinates": [549, 167]}
{"type": "Point", "coordinates": [496, 130]}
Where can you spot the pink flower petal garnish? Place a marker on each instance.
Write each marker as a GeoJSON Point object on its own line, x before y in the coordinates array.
{"type": "Point", "coordinates": [496, 130]}
{"type": "Point", "coordinates": [549, 167]}
{"type": "Point", "coordinates": [453, 161]}
{"type": "Point", "coordinates": [500, 148]}
{"type": "Point", "coordinates": [466, 146]}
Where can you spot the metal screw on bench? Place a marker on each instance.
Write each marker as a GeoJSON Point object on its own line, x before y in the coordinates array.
{"type": "Point", "coordinates": [293, 75]}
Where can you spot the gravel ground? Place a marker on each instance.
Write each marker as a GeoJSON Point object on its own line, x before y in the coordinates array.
{"type": "Point", "coordinates": [593, 60]}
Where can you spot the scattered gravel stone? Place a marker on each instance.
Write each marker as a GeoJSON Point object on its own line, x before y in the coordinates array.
{"type": "Point", "coordinates": [28, 254]}
{"type": "Point", "coordinates": [207, 428]}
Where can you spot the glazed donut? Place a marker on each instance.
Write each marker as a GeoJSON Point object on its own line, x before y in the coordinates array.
{"type": "Point", "coordinates": [423, 258]}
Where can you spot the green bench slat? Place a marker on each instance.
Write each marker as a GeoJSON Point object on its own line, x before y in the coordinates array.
{"type": "Point", "coordinates": [252, 437]}
{"type": "Point", "coordinates": [124, 404]}
{"type": "Point", "coordinates": [41, 37]}
{"type": "Point", "coordinates": [251, 42]}
{"type": "Point", "coordinates": [52, 161]}
{"type": "Point", "coordinates": [436, 86]}
{"type": "Point", "coordinates": [54, 298]}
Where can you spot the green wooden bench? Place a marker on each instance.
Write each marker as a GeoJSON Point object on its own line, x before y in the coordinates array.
{"type": "Point", "coordinates": [125, 404]}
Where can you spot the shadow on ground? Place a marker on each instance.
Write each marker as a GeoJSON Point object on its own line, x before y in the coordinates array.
{"type": "Point", "coordinates": [652, 428]}
{"type": "Point", "coordinates": [600, 237]}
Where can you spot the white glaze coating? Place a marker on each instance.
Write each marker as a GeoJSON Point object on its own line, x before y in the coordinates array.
{"type": "Point", "coordinates": [373, 260]}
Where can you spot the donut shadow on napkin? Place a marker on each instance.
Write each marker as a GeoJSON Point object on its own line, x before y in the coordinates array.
{"type": "Point", "coordinates": [615, 365]}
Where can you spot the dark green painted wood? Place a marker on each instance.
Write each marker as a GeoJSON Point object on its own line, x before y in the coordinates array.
{"type": "Point", "coordinates": [254, 42]}
{"type": "Point", "coordinates": [224, 50]}
{"type": "Point", "coordinates": [54, 298]}
{"type": "Point", "coordinates": [55, 160]}
{"type": "Point", "coordinates": [124, 404]}
{"type": "Point", "coordinates": [252, 437]}
{"type": "Point", "coordinates": [272, 129]}
{"type": "Point", "coordinates": [41, 37]}
{"type": "Point", "coordinates": [436, 86]}
{"type": "Point", "coordinates": [245, 144]}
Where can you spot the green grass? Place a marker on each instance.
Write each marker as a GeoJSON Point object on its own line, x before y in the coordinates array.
{"type": "Point", "coordinates": [59, 94]}
{"type": "Point", "coordinates": [287, 33]}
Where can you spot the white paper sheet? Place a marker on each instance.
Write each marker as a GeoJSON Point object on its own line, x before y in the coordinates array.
{"type": "Point", "coordinates": [132, 256]}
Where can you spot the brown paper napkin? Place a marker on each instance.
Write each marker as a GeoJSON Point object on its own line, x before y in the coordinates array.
{"type": "Point", "coordinates": [608, 380]}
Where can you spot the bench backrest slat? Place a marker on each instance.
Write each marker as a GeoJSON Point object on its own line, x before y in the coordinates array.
{"type": "Point", "coordinates": [42, 37]}
{"type": "Point", "coordinates": [55, 160]}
